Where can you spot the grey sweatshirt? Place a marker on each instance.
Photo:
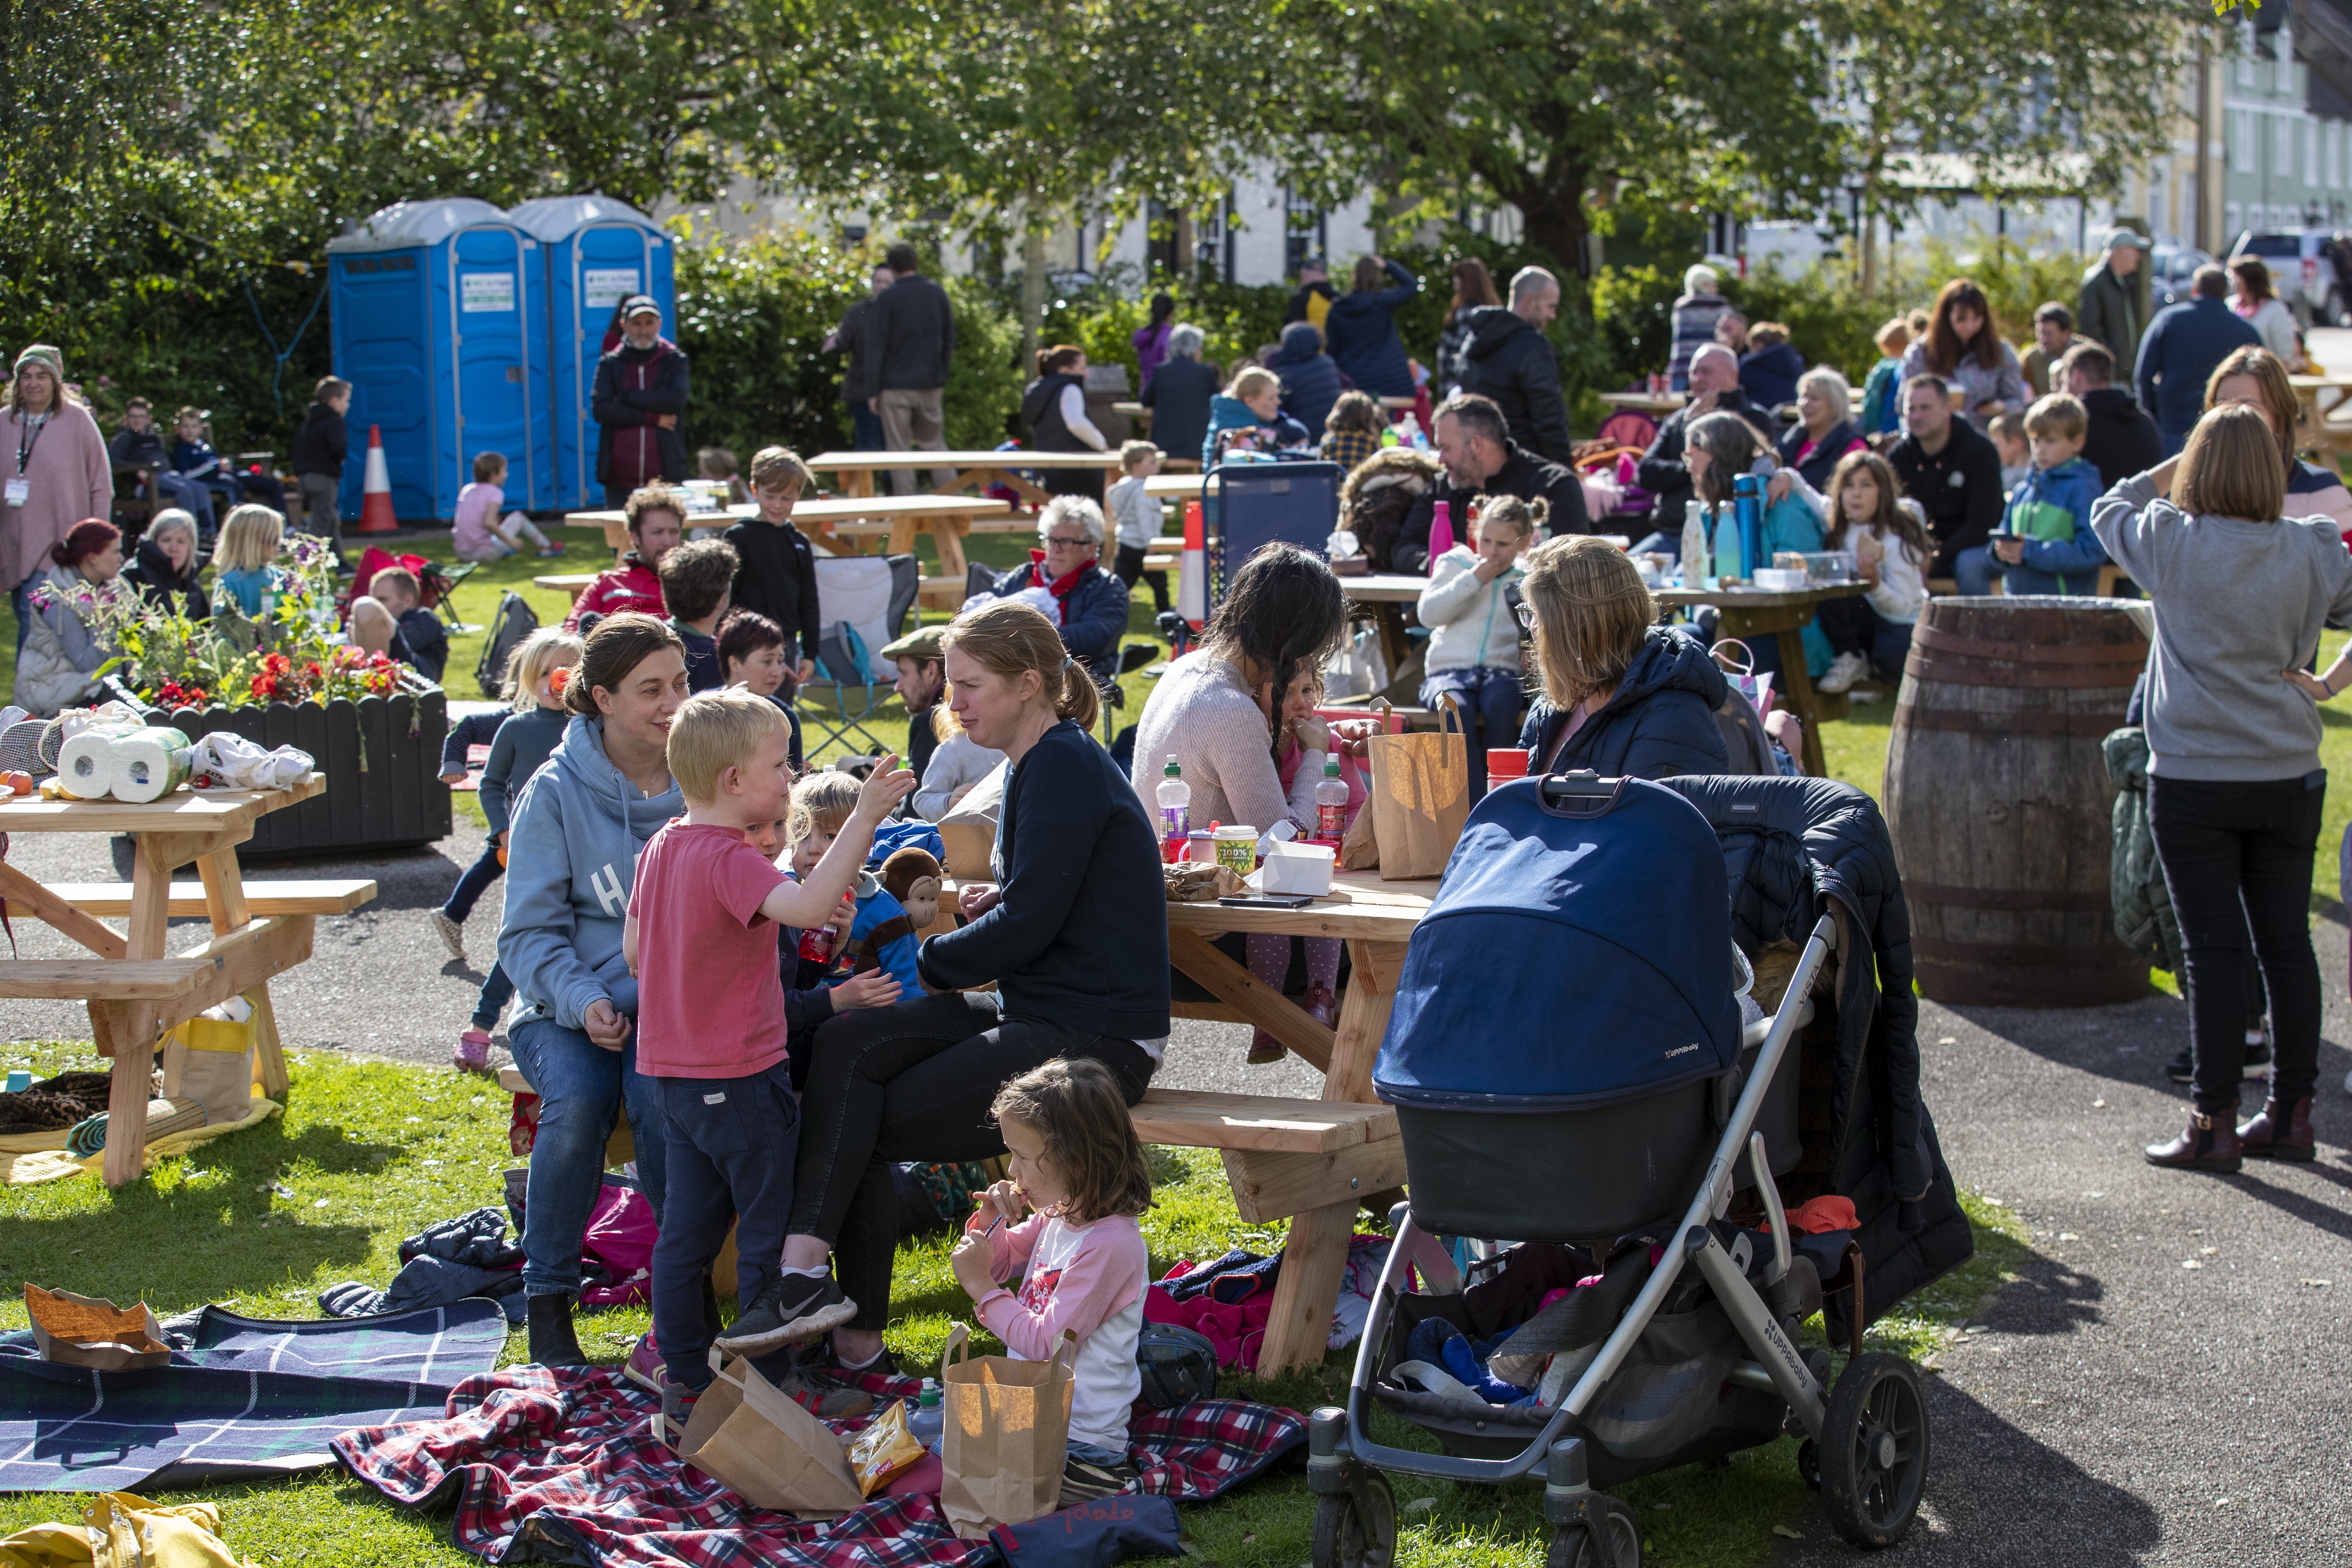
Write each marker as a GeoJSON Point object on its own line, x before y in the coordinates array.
{"type": "Point", "coordinates": [2236, 603]}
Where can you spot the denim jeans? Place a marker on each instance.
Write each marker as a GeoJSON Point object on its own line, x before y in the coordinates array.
{"type": "Point", "coordinates": [728, 1156]}
{"type": "Point", "coordinates": [190, 497]}
{"type": "Point", "coordinates": [2237, 860]}
{"type": "Point", "coordinates": [914, 1082]}
{"type": "Point", "coordinates": [581, 1089]}
{"type": "Point", "coordinates": [497, 992]}
{"type": "Point", "coordinates": [866, 429]}
{"type": "Point", "coordinates": [20, 601]}
{"type": "Point", "coordinates": [1855, 625]}
{"type": "Point", "coordinates": [474, 882]}
{"type": "Point", "coordinates": [1974, 570]}
{"type": "Point", "coordinates": [1489, 696]}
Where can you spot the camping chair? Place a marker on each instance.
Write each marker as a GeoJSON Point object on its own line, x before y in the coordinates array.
{"type": "Point", "coordinates": [862, 603]}
{"type": "Point", "coordinates": [1259, 503]}
{"type": "Point", "coordinates": [514, 621]}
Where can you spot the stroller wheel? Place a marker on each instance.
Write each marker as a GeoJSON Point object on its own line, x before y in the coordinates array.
{"type": "Point", "coordinates": [1809, 1463]}
{"type": "Point", "coordinates": [1357, 1528]}
{"type": "Point", "coordinates": [1617, 1543]}
{"type": "Point", "coordinates": [1873, 1450]}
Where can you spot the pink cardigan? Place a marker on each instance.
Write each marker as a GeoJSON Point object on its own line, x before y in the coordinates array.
{"type": "Point", "coordinates": [72, 479]}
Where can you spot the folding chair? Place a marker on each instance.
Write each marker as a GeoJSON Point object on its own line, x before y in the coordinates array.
{"type": "Point", "coordinates": [862, 603]}
{"type": "Point", "coordinates": [514, 621]}
{"type": "Point", "coordinates": [1259, 503]}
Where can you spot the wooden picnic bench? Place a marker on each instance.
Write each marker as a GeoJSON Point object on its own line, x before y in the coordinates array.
{"type": "Point", "coordinates": [134, 988]}
{"type": "Point", "coordinates": [972, 470]}
{"type": "Point", "coordinates": [843, 525]}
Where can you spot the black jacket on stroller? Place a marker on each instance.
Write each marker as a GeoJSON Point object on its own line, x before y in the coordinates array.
{"type": "Point", "coordinates": [1786, 842]}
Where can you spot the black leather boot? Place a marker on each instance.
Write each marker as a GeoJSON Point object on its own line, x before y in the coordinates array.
{"type": "Point", "coordinates": [2211, 1143]}
{"type": "Point", "coordinates": [552, 1342]}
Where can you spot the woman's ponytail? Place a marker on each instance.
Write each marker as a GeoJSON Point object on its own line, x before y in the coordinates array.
{"type": "Point", "coordinates": [1080, 700]}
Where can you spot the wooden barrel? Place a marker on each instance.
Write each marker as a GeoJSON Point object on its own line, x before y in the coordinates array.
{"type": "Point", "coordinates": [1999, 803]}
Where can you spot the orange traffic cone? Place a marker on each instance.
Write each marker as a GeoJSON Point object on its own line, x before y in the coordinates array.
{"type": "Point", "coordinates": [1192, 585]}
{"type": "Point", "coordinates": [375, 506]}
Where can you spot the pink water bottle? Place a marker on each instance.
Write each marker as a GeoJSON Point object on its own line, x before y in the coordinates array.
{"type": "Point", "coordinates": [1441, 533]}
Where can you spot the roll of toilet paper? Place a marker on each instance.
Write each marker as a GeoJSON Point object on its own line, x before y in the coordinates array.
{"type": "Point", "coordinates": [148, 764]}
{"type": "Point", "coordinates": [86, 765]}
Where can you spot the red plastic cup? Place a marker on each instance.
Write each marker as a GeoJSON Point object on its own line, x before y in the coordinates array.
{"type": "Point", "coordinates": [1505, 763]}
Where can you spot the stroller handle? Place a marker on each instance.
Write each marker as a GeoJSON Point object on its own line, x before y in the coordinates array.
{"type": "Point", "coordinates": [1713, 1196]}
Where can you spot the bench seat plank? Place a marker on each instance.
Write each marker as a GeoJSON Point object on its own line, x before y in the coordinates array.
{"type": "Point", "coordinates": [262, 899]}
{"type": "Point", "coordinates": [1198, 1120]}
{"type": "Point", "coordinates": [115, 979]}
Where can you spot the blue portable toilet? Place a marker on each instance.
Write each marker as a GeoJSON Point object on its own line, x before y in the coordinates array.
{"type": "Point", "coordinates": [598, 252]}
{"type": "Point", "coordinates": [431, 325]}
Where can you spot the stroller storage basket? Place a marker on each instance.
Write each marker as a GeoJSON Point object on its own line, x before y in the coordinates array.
{"type": "Point", "coordinates": [1556, 1176]}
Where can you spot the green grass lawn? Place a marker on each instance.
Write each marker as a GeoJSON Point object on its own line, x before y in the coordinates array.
{"type": "Point", "coordinates": [370, 1151]}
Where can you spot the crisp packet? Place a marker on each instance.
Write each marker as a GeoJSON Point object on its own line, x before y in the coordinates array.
{"type": "Point", "coordinates": [883, 1451]}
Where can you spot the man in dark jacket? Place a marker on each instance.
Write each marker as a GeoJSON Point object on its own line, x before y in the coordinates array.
{"type": "Point", "coordinates": [1474, 446]}
{"type": "Point", "coordinates": [1954, 473]}
{"type": "Point", "coordinates": [912, 325]}
{"type": "Point", "coordinates": [1310, 381]}
{"type": "Point", "coordinates": [1311, 301]}
{"type": "Point", "coordinates": [2108, 311]}
{"type": "Point", "coordinates": [317, 457]}
{"type": "Point", "coordinates": [1510, 359]}
{"type": "Point", "coordinates": [2180, 351]}
{"type": "Point", "coordinates": [638, 399]}
{"type": "Point", "coordinates": [857, 389]}
{"type": "Point", "coordinates": [1660, 721]}
{"type": "Point", "coordinates": [1179, 397]}
{"type": "Point", "coordinates": [1713, 389]}
{"type": "Point", "coordinates": [139, 448]}
{"type": "Point", "coordinates": [2122, 440]}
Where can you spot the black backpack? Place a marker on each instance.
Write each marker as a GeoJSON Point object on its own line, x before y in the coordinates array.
{"type": "Point", "coordinates": [1179, 1364]}
{"type": "Point", "coordinates": [508, 627]}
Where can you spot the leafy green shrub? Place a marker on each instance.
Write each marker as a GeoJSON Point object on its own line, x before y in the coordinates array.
{"type": "Point", "coordinates": [985, 379]}
{"type": "Point", "coordinates": [752, 316]}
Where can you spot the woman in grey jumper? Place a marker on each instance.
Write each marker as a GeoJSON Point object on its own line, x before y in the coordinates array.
{"type": "Point", "coordinates": [2235, 786]}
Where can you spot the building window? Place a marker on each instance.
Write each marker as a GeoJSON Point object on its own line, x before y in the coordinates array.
{"type": "Point", "coordinates": [2246, 54]}
{"type": "Point", "coordinates": [2281, 147]}
{"type": "Point", "coordinates": [1212, 246]}
{"type": "Point", "coordinates": [2310, 156]}
{"type": "Point", "coordinates": [2242, 141]}
{"type": "Point", "coordinates": [1304, 231]}
{"type": "Point", "coordinates": [2233, 219]}
{"type": "Point", "coordinates": [2336, 155]}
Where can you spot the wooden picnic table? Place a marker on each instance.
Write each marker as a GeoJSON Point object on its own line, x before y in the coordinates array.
{"type": "Point", "coordinates": [834, 523]}
{"type": "Point", "coordinates": [1647, 402]}
{"type": "Point", "coordinates": [1753, 611]}
{"type": "Point", "coordinates": [133, 990]}
{"type": "Point", "coordinates": [973, 470]}
{"type": "Point", "coordinates": [2321, 435]}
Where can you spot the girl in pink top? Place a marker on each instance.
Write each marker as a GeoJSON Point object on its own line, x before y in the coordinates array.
{"type": "Point", "coordinates": [1302, 742]}
{"type": "Point", "coordinates": [1076, 1161]}
{"type": "Point", "coordinates": [479, 534]}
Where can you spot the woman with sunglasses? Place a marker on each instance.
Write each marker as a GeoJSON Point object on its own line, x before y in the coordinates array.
{"type": "Point", "coordinates": [1621, 694]}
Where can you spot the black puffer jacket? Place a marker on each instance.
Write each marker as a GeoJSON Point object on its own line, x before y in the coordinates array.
{"type": "Point", "coordinates": [1794, 849]}
{"type": "Point", "coordinates": [1660, 723]}
{"type": "Point", "coordinates": [1510, 360]}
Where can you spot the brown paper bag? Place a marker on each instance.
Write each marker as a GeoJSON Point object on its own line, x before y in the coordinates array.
{"type": "Point", "coordinates": [968, 829]}
{"type": "Point", "coordinates": [761, 1441]}
{"type": "Point", "coordinates": [81, 1332]}
{"type": "Point", "coordinates": [1005, 1435]}
{"type": "Point", "coordinates": [1420, 797]}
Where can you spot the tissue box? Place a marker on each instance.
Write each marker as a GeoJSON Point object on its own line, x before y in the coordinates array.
{"type": "Point", "coordinates": [1298, 868]}
{"type": "Point", "coordinates": [1779, 579]}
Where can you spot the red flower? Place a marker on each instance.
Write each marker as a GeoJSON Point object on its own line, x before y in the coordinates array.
{"type": "Point", "coordinates": [276, 664]}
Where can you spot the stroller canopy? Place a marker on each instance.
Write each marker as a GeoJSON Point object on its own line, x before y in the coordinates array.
{"type": "Point", "coordinates": [1567, 960]}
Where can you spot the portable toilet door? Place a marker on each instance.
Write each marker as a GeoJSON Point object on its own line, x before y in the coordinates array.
{"type": "Point", "coordinates": [598, 252]}
{"type": "Point", "coordinates": [430, 327]}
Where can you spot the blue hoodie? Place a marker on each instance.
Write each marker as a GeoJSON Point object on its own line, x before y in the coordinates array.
{"type": "Point", "coordinates": [1231, 414]}
{"type": "Point", "coordinates": [570, 868]}
{"type": "Point", "coordinates": [2050, 510]}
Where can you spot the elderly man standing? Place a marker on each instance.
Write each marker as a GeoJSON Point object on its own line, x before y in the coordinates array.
{"type": "Point", "coordinates": [2181, 350]}
{"type": "Point", "coordinates": [2108, 311]}
{"type": "Point", "coordinates": [639, 397]}
{"type": "Point", "coordinates": [1510, 359]}
{"type": "Point", "coordinates": [910, 328]}
{"type": "Point", "coordinates": [1714, 389]}
{"type": "Point", "coordinates": [1479, 458]}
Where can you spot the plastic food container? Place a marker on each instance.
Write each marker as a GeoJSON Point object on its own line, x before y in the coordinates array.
{"type": "Point", "coordinates": [1780, 579]}
{"type": "Point", "coordinates": [1238, 847]}
{"type": "Point", "coordinates": [1299, 867]}
{"type": "Point", "coordinates": [1505, 763]}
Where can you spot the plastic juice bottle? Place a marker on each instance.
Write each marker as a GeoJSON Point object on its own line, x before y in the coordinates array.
{"type": "Point", "coordinates": [1175, 811]}
{"type": "Point", "coordinates": [924, 1421]}
{"type": "Point", "coordinates": [1695, 571]}
{"type": "Point", "coordinates": [1441, 533]}
{"type": "Point", "coordinates": [1331, 803]}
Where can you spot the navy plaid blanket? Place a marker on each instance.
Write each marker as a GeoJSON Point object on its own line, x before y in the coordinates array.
{"type": "Point", "coordinates": [562, 1465]}
{"type": "Point", "coordinates": [246, 1397]}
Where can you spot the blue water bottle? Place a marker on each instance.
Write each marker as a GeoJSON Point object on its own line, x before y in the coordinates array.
{"type": "Point", "coordinates": [1747, 506]}
{"type": "Point", "coordinates": [1731, 563]}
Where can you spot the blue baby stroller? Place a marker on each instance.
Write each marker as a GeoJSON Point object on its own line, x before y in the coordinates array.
{"type": "Point", "coordinates": [1607, 1147]}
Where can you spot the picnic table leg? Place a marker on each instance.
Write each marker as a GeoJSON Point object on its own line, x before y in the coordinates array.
{"type": "Point", "coordinates": [947, 538]}
{"type": "Point", "coordinates": [226, 906]}
{"type": "Point", "coordinates": [1298, 1323]}
{"type": "Point", "coordinates": [127, 1030]}
{"type": "Point", "coordinates": [857, 482]}
{"type": "Point", "coordinates": [1800, 689]}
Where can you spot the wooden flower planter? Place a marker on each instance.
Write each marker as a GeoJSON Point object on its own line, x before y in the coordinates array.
{"type": "Point", "coordinates": [381, 757]}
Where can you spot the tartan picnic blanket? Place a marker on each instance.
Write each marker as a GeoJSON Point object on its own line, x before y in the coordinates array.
{"type": "Point", "coordinates": [244, 1397]}
{"type": "Point", "coordinates": [561, 1464]}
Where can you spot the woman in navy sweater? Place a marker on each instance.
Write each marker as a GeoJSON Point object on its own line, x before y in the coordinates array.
{"type": "Point", "coordinates": [1073, 933]}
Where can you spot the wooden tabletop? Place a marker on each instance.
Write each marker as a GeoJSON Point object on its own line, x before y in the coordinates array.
{"type": "Point", "coordinates": [1359, 906]}
{"type": "Point", "coordinates": [182, 811]}
{"type": "Point", "coordinates": [1647, 402]}
{"type": "Point", "coordinates": [837, 509]}
{"type": "Point", "coordinates": [836, 462]}
{"type": "Point", "coordinates": [1757, 598]}
{"type": "Point", "coordinates": [1384, 587]}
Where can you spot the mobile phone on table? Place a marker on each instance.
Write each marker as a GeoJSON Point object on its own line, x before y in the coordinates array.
{"type": "Point", "coordinates": [1267, 902]}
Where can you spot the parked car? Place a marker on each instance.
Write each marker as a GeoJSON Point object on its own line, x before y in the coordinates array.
{"type": "Point", "coordinates": [2171, 269]}
{"type": "Point", "coordinates": [2301, 271]}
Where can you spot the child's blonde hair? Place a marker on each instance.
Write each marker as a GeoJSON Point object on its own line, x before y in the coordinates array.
{"type": "Point", "coordinates": [1133, 455]}
{"type": "Point", "coordinates": [715, 731]}
{"type": "Point", "coordinates": [1251, 381]}
{"type": "Point", "coordinates": [250, 539]}
{"type": "Point", "coordinates": [535, 658]}
{"type": "Point", "coordinates": [1076, 1110]}
{"type": "Point", "coordinates": [2061, 414]}
{"type": "Point", "coordinates": [779, 468]}
{"type": "Point", "coordinates": [1517, 513]}
{"type": "Point", "coordinates": [1893, 338]}
{"type": "Point", "coordinates": [821, 802]}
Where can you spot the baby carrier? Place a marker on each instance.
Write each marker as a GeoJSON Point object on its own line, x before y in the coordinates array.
{"type": "Point", "coordinates": [1571, 1072]}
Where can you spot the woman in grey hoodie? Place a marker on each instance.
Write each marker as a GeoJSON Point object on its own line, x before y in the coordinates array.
{"type": "Point", "coordinates": [572, 860]}
{"type": "Point", "coordinates": [2235, 784]}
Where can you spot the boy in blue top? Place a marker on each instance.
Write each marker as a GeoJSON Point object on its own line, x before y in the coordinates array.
{"type": "Point", "coordinates": [2046, 543]}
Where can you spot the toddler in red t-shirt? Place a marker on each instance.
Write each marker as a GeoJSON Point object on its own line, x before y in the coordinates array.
{"type": "Point", "coordinates": [701, 938]}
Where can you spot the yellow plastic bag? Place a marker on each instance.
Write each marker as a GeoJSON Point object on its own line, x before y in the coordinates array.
{"type": "Point", "coordinates": [123, 1529]}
